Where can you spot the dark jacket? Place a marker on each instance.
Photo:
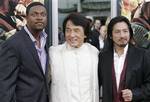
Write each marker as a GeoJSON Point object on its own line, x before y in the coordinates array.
{"type": "Point", "coordinates": [137, 77]}
{"type": "Point", "coordinates": [21, 75]}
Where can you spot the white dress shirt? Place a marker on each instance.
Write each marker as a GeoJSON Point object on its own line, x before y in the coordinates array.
{"type": "Point", "coordinates": [119, 64]}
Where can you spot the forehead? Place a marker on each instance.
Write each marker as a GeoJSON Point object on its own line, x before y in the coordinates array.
{"type": "Point", "coordinates": [37, 8]}
{"type": "Point", "coordinates": [71, 24]}
{"type": "Point", "coordinates": [97, 21]}
{"type": "Point", "coordinates": [120, 25]}
{"type": "Point", "coordinates": [103, 27]}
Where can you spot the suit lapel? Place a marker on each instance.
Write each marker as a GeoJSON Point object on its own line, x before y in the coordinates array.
{"type": "Point", "coordinates": [108, 70]}
{"type": "Point", "coordinates": [30, 46]}
{"type": "Point", "coordinates": [47, 71]}
{"type": "Point", "coordinates": [130, 59]}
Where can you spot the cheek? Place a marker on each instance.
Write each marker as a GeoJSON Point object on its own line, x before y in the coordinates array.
{"type": "Point", "coordinates": [127, 37]}
{"type": "Point", "coordinates": [115, 37]}
{"type": "Point", "coordinates": [115, 40]}
{"type": "Point", "coordinates": [45, 20]}
{"type": "Point", "coordinates": [82, 37]}
{"type": "Point", "coordinates": [67, 36]}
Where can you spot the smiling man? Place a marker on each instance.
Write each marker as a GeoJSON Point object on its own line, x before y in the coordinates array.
{"type": "Point", "coordinates": [74, 64]}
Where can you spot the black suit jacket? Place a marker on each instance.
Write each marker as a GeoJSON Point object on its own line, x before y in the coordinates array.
{"type": "Point", "coordinates": [137, 76]}
{"type": "Point", "coordinates": [21, 75]}
{"type": "Point", "coordinates": [93, 38]}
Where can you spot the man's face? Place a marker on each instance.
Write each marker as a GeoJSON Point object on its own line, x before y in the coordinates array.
{"type": "Point", "coordinates": [74, 35]}
{"type": "Point", "coordinates": [97, 24]}
{"type": "Point", "coordinates": [37, 18]}
{"type": "Point", "coordinates": [120, 34]}
{"type": "Point", "coordinates": [103, 31]}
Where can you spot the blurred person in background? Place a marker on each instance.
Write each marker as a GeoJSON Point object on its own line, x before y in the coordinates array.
{"type": "Point", "coordinates": [102, 37]}
{"type": "Point", "coordinates": [61, 36]}
{"type": "Point", "coordinates": [93, 37]}
{"type": "Point", "coordinates": [141, 26]}
{"type": "Point", "coordinates": [10, 22]}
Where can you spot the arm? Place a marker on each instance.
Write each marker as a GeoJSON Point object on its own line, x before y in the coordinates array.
{"type": "Point", "coordinates": [143, 91]}
{"type": "Point", "coordinates": [99, 71]}
{"type": "Point", "coordinates": [8, 73]}
{"type": "Point", "coordinates": [100, 76]}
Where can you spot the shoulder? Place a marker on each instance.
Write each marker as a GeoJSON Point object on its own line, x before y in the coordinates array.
{"type": "Point", "coordinates": [55, 52]}
{"type": "Point", "coordinates": [14, 41]}
{"type": "Point", "coordinates": [106, 54]}
{"type": "Point", "coordinates": [136, 49]}
{"type": "Point", "coordinates": [91, 48]}
{"type": "Point", "coordinates": [56, 48]}
{"type": "Point", "coordinates": [136, 52]}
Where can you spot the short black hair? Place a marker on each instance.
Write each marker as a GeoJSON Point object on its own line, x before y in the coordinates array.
{"type": "Point", "coordinates": [78, 20]}
{"type": "Point", "coordinates": [32, 4]}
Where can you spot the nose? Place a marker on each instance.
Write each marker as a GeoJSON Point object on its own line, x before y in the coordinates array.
{"type": "Point", "coordinates": [122, 34]}
{"type": "Point", "coordinates": [39, 16]}
{"type": "Point", "coordinates": [72, 34]}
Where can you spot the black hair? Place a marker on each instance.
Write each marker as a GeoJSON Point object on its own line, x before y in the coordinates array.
{"type": "Point", "coordinates": [78, 20]}
{"type": "Point", "coordinates": [111, 24]}
{"type": "Point", "coordinates": [32, 5]}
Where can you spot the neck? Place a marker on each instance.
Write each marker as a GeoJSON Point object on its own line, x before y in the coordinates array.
{"type": "Point", "coordinates": [119, 50]}
{"type": "Point", "coordinates": [35, 33]}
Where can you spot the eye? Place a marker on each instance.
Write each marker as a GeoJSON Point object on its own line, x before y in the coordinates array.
{"type": "Point", "coordinates": [77, 30]}
{"type": "Point", "coordinates": [33, 14]}
{"type": "Point", "coordinates": [125, 31]}
{"type": "Point", "coordinates": [67, 30]}
{"type": "Point", "coordinates": [116, 31]}
{"type": "Point", "coordinates": [43, 14]}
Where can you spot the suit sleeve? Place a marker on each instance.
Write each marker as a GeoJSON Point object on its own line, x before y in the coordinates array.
{"type": "Point", "coordinates": [143, 92]}
{"type": "Point", "coordinates": [8, 73]}
{"type": "Point", "coordinates": [99, 71]}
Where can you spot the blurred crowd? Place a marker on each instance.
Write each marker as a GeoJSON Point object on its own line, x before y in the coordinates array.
{"type": "Point", "coordinates": [12, 16]}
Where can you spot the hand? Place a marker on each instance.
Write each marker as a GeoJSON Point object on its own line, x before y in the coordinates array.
{"type": "Point", "coordinates": [20, 9]}
{"type": "Point", "coordinates": [127, 95]}
{"type": "Point", "coordinates": [20, 23]}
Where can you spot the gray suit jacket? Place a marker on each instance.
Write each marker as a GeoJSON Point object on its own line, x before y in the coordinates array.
{"type": "Point", "coordinates": [21, 75]}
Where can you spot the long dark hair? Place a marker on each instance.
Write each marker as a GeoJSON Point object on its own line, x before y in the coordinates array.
{"type": "Point", "coordinates": [111, 24]}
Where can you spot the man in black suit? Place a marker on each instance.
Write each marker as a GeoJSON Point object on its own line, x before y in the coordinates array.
{"type": "Point", "coordinates": [124, 70]}
{"type": "Point", "coordinates": [93, 37]}
{"type": "Point", "coordinates": [24, 60]}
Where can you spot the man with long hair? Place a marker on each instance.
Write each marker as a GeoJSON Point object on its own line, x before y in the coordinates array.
{"type": "Point", "coordinates": [124, 70]}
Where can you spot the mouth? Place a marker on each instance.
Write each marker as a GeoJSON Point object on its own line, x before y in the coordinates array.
{"type": "Point", "coordinates": [74, 40]}
{"type": "Point", "coordinates": [39, 23]}
{"type": "Point", "coordinates": [122, 40]}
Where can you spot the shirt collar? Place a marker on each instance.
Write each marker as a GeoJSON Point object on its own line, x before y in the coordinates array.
{"type": "Point", "coordinates": [42, 34]}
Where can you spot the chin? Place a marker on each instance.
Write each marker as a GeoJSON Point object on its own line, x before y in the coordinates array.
{"type": "Point", "coordinates": [75, 45]}
{"type": "Point", "coordinates": [39, 29]}
{"type": "Point", "coordinates": [123, 45]}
